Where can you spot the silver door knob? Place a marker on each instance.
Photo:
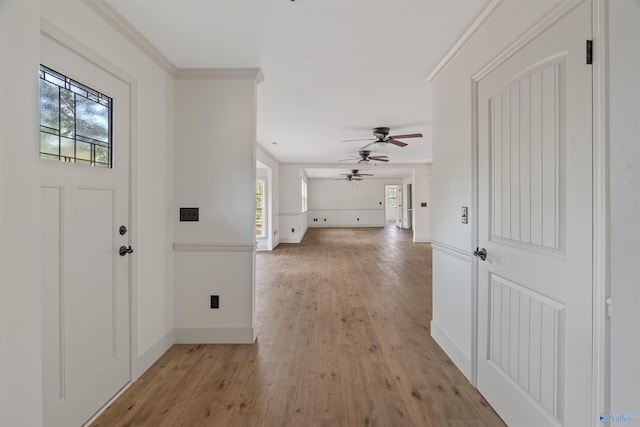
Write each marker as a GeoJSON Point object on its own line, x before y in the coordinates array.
{"type": "Point", "coordinates": [481, 253]}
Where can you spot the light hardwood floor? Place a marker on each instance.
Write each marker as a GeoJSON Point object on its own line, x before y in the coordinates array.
{"type": "Point", "coordinates": [343, 340]}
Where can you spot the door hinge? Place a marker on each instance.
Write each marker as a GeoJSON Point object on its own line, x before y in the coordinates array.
{"type": "Point", "coordinates": [589, 52]}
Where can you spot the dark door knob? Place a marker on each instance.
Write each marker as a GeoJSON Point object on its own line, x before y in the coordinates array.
{"type": "Point", "coordinates": [481, 253]}
{"type": "Point", "coordinates": [125, 250]}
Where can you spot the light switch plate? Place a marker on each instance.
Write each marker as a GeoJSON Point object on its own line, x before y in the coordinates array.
{"type": "Point", "coordinates": [189, 214]}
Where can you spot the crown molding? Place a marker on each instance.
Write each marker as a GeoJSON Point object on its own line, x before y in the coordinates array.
{"type": "Point", "coordinates": [221, 74]}
{"type": "Point", "coordinates": [485, 16]}
{"type": "Point", "coordinates": [261, 148]}
{"type": "Point", "coordinates": [122, 26]}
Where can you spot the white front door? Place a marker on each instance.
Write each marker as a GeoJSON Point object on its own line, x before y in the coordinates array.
{"type": "Point", "coordinates": [86, 320]}
{"type": "Point", "coordinates": [534, 349]}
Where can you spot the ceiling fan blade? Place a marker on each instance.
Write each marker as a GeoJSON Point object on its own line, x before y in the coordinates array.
{"type": "Point", "coordinates": [409, 135]}
{"type": "Point", "coordinates": [379, 158]}
{"type": "Point", "coordinates": [361, 139]}
{"type": "Point", "coordinates": [355, 179]}
{"type": "Point", "coordinates": [349, 160]}
{"type": "Point", "coordinates": [368, 145]}
{"type": "Point", "coordinates": [363, 174]}
{"type": "Point", "coordinates": [396, 142]}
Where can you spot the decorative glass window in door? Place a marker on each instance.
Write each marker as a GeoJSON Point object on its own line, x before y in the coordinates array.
{"type": "Point", "coordinates": [391, 197]}
{"type": "Point", "coordinates": [260, 225]}
{"type": "Point", "coordinates": [75, 121]}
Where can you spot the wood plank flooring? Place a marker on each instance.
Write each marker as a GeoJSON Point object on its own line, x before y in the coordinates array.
{"type": "Point", "coordinates": [343, 340]}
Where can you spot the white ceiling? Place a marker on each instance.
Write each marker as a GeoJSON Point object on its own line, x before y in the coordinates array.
{"type": "Point", "coordinates": [333, 69]}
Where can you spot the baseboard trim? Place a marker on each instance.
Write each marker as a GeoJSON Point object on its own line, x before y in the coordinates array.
{"type": "Point", "coordinates": [215, 335]}
{"type": "Point", "coordinates": [455, 353]}
{"type": "Point", "coordinates": [212, 247]}
{"type": "Point", "coordinates": [358, 225]}
{"type": "Point", "coordinates": [422, 239]}
{"type": "Point", "coordinates": [290, 240]}
{"type": "Point", "coordinates": [153, 353]}
{"type": "Point", "coordinates": [262, 245]}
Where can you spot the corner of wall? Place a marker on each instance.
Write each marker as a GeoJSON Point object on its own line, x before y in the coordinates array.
{"type": "Point", "coordinates": [152, 354]}
{"type": "Point", "coordinates": [455, 353]}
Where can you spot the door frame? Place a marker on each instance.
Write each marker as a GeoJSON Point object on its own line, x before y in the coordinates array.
{"type": "Point", "coordinates": [600, 265]}
{"type": "Point", "coordinates": [409, 203]}
{"type": "Point", "coordinates": [51, 31]}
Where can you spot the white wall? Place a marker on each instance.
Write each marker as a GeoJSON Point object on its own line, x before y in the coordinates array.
{"type": "Point", "coordinates": [293, 222]}
{"type": "Point", "coordinates": [452, 185]}
{"type": "Point", "coordinates": [348, 204]}
{"type": "Point", "coordinates": [342, 203]}
{"type": "Point", "coordinates": [216, 172]}
{"type": "Point", "coordinates": [422, 193]}
{"type": "Point", "coordinates": [155, 216]}
{"type": "Point", "coordinates": [624, 121]}
{"type": "Point", "coordinates": [20, 236]}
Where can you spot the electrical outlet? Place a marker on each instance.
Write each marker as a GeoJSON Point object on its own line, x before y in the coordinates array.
{"type": "Point", "coordinates": [215, 301]}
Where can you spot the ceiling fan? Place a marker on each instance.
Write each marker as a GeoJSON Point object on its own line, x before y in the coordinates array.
{"type": "Point", "coordinates": [382, 137]}
{"type": "Point", "coordinates": [365, 156]}
{"type": "Point", "coordinates": [349, 177]}
{"type": "Point", "coordinates": [356, 172]}
{"type": "Point", "coordinates": [353, 176]}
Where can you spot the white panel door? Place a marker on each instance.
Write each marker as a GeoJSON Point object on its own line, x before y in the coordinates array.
{"type": "Point", "coordinates": [86, 320]}
{"type": "Point", "coordinates": [399, 206]}
{"type": "Point", "coordinates": [535, 222]}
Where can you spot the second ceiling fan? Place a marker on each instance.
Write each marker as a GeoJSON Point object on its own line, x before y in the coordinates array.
{"type": "Point", "coordinates": [382, 137]}
{"type": "Point", "coordinates": [365, 156]}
